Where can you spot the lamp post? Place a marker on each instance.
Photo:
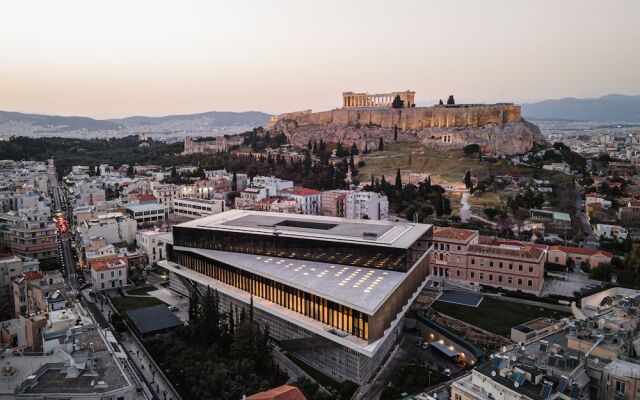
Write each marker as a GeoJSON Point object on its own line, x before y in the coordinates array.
{"type": "Point", "coordinates": [430, 378]}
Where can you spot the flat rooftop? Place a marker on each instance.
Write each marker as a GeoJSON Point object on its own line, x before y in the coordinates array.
{"type": "Point", "coordinates": [377, 233]}
{"type": "Point", "coordinates": [144, 207]}
{"type": "Point", "coordinates": [363, 289]}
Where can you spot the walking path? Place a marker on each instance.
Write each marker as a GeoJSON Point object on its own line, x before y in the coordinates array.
{"type": "Point", "coordinates": [466, 214]}
{"type": "Point", "coordinates": [158, 382]}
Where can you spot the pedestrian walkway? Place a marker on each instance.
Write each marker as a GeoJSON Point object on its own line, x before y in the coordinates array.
{"type": "Point", "coordinates": [158, 383]}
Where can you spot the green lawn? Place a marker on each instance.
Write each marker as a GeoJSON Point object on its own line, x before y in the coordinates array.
{"type": "Point", "coordinates": [495, 315]}
{"type": "Point", "coordinates": [125, 303]}
{"type": "Point", "coordinates": [410, 379]}
{"type": "Point", "coordinates": [141, 291]}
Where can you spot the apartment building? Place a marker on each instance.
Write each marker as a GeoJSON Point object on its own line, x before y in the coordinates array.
{"type": "Point", "coordinates": [152, 242]}
{"type": "Point", "coordinates": [189, 207]}
{"type": "Point", "coordinates": [151, 213]}
{"type": "Point", "coordinates": [114, 227]}
{"type": "Point", "coordinates": [109, 274]}
{"type": "Point", "coordinates": [32, 290]}
{"type": "Point", "coordinates": [309, 200]}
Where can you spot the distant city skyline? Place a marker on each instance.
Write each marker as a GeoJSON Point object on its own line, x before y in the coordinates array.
{"type": "Point", "coordinates": [118, 58]}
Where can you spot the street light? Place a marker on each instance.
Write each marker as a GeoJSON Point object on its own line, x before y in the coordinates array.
{"type": "Point", "coordinates": [430, 378]}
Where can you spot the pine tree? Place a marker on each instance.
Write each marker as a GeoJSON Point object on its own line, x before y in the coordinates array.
{"type": "Point", "coordinates": [380, 144]}
{"type": "Point", "coordinates": [354, 149]}
{"type": "Point", "coordinates": [441, 102]}
{"type": "Point", "coordinates": [450, 100]}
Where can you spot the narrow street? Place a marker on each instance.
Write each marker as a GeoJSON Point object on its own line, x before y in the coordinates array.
{"type": "Point", "coordinates": [157, 387]}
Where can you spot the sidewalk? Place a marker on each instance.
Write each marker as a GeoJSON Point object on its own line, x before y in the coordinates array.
{"type": "Point", "coordinates": [159, 384]}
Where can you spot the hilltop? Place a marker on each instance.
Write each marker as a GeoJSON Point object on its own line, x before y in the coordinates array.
{"type": "Point", "coordinates": [208, 123]}
{"type": "Point", "coordinates": [610, 108]}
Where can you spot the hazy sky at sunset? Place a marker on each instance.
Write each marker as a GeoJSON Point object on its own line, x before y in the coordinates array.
{"type": "Point", "coordinates": [106, 58]}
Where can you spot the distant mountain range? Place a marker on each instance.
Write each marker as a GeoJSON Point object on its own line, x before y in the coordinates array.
{"type": "Point", "coordinates": [215, 122]}
{"type": "Point", "coordinates": [610, 108]}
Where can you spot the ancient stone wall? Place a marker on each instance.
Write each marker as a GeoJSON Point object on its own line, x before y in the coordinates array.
{"type": "Point", "coordinates": [415, 118]}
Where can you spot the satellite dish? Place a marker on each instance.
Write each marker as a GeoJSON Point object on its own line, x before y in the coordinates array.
{"type": "Point", "coordinates": [516, 384]}
{"type": "Point", "coordinates": [493, 373]}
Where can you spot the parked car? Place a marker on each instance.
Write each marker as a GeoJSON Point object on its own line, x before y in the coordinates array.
{"type": "Point", "coordinates": [173, 308]}
{"type": "Point", "coordinates": [426, 345]}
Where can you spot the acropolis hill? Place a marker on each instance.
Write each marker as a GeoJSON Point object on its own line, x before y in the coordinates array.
{"type": "Point", "coordinates": [364, 118]}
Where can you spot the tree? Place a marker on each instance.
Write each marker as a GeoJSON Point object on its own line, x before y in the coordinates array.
{"type": "Point", "coordinates": [450, 100]}
{"type": "Point", "coordinates": [471, 149]}
{"type": "Point", "coordinates": [380, 144]}
{"type": "Point", "coordinates": [354, 150]}
{"type": "Point", "coordinates": [130, 171]}
{"type": "Point", "coordinates": [441, 102]}
{"type": "Point", "coordinates": [398, 180]}
{"type": "Point", "coordinates": [174, 172]}
{"type": "Point", "coordinates": [397, 102]}
{"type": "Point", "coordinates": [366, 148]}
{"type": "Point", "coordinates": [467, 180]}
{"type": "Point", "coordinates": [234, 182]}
{"type": "Point", "coordinates": [395, 132]}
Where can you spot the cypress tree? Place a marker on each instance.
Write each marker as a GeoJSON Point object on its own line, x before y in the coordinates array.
{"type": "Point", "coordinates": [398, 180]}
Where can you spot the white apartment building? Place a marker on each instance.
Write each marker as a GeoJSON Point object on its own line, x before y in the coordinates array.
{"type": "Point", "coordinates": [153, 244]}
{"type": "Point", "coordinates": [148, 213]}
{"type": "Point", "coordinates": [165, 193]}
{"type": "Point", "coordinates": [272, 184]}
{"type": "Point", "coordinates": [367, 205]}
{"type": "Point", "coordinates": [114, 227]}
{"type": "Point", "coordinates": [611, 232]}
{"type": "Point", "coordinates": [309, 200]}
{"type": "Point", "coordinates": [196, 208]}
{"type": "Point", "coordinates": [109, 274]}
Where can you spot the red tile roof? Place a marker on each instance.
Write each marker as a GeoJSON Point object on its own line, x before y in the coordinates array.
{"type": "Point", "coordinates": [581, 250]}
{"type": "Point", "coordinates": [284, 392]}
{"type": "Point", "coordinates": [146, 197]}
{"type": "Point", "coordinates": [453, 233]}
{"type": "Point", "coordinates": [301, 191]}
{"type": "Point", "coordinates": [33, 276]}
{"type": "Point", "coordinates": [104, 265]}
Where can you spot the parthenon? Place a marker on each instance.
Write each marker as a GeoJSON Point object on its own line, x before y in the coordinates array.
{"type": "Point", "coordinates": [351, 99]}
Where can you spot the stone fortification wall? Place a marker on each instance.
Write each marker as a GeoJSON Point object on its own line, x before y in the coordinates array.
{"type": "Point", "coordinates": [498, 128]}
{"type": "Point", "coordinates": [411, 118]}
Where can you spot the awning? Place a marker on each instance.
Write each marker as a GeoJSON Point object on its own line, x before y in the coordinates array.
{"type": "Point", "coordinates": [444, 349]}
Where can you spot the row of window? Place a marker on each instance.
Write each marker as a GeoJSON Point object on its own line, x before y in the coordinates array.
{"type": "Point", "coordinates": [298, 248]}
{"type": "Point", "coordinates": [309, 305]}
{"type": "Point", "coordinates": [499, 264]}
{"type": "Point", "coordinates": [472, 275]}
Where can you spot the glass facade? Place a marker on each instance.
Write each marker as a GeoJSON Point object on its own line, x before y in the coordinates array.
{"type": "Point", "coordinates": [369, 256]}
{"type": "Point", "coordinates": [312, 306]}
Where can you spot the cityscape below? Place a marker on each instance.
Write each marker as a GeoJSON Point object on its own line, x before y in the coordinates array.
{"type": "Point", "coordinates": [406, 226]}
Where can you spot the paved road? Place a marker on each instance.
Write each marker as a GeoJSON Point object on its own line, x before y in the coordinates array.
{"type": "Point", "coordinates": [582, 217]}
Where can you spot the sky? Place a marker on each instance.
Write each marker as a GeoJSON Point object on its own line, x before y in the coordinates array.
{"type": "Point", "coordinates": [109, 58]}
